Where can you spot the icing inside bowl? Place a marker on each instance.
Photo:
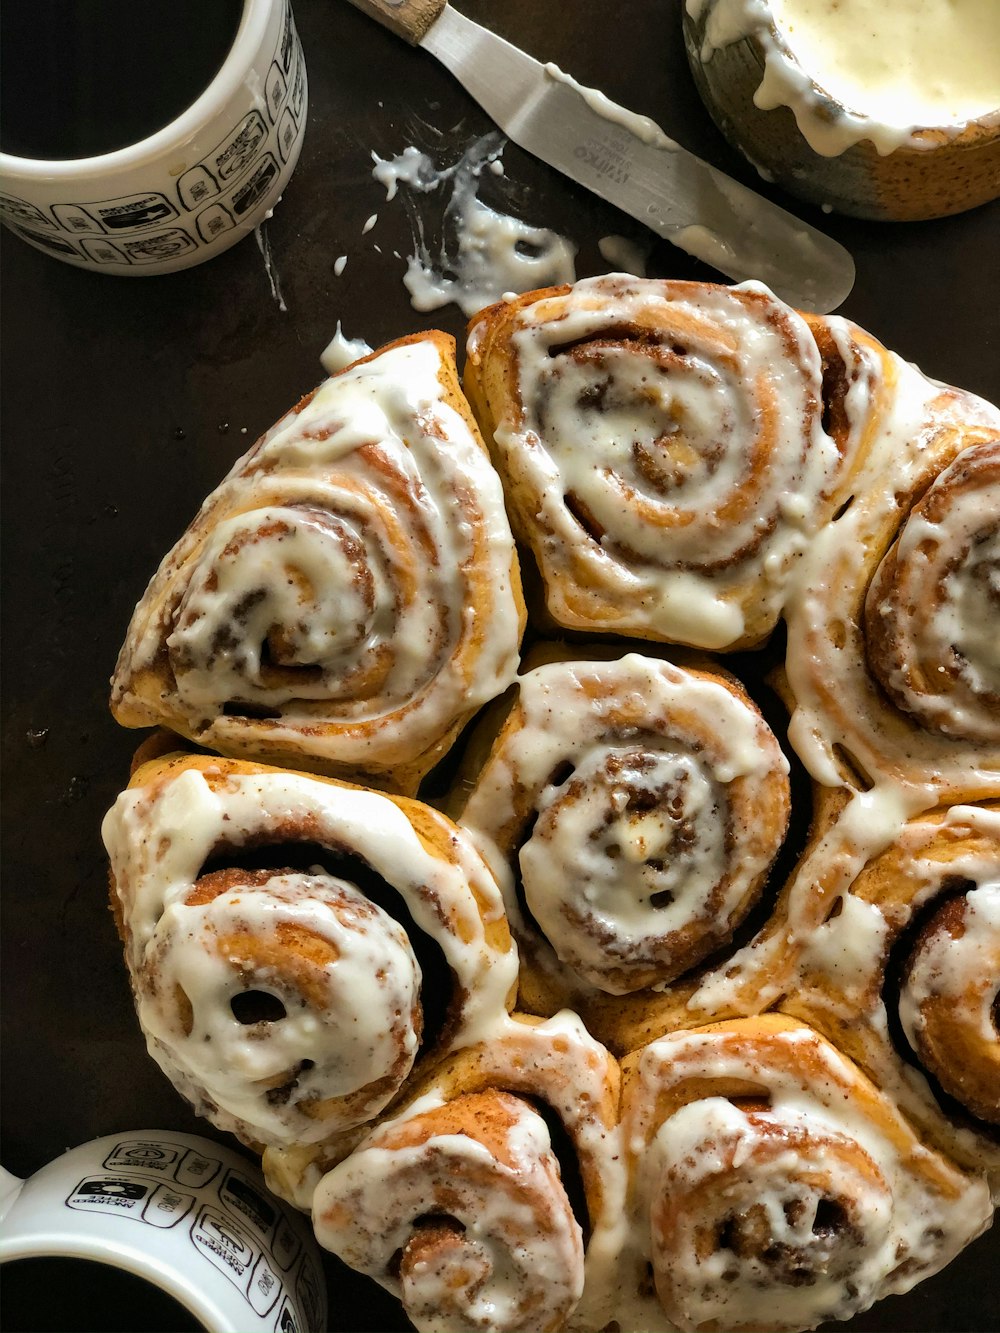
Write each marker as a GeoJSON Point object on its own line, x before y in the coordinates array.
{"type": "Point", "coordinates": [876, 70]}
{"type": "Point", "coordinates": [905, 63]}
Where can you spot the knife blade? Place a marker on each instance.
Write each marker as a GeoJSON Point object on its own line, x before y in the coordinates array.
{"type": "Point", "coordinates": [627, 160]}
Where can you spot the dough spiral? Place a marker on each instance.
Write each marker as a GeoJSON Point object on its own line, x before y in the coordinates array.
{"type": "Point", "coordinates": [662, 450]}
{"type": "Point", "coordinates": [904, 974]}
{"type": "Point", "coordinates": [932, 611]}
{"type": "Point", "coordinates": [285, 1002]}
{"type": "Point", "coordinates": [774, 1186]}
{"type": "Point", "coordinates": [640, 805]}
{"type": "Point", "coordinates": [891, 661]}
{"type": "Point", "coordinates": [949, 999]}
{"type": "Point", "coordinates": [459, 1204]}
{"type": "Point", "coordinates": [348, 595]}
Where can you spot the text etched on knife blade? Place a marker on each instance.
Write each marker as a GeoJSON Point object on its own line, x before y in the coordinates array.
{"type": "Point", "coordinates": [607, 157]}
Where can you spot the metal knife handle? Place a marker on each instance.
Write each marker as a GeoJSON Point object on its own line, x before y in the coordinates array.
{"type": "Point", "coordinates": [408, 19]}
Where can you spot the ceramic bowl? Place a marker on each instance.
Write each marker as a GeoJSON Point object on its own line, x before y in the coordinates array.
{"type": "Point", "coordinates": [936, 171]}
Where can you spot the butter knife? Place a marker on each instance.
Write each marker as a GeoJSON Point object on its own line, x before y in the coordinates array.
{"type": "Point", "coordinates": [626, 159]}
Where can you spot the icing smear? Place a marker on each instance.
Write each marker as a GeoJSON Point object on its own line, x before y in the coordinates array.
{"type": "Point", "coordinates": [483, 253]}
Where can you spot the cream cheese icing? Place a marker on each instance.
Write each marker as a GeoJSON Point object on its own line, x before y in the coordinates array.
{"type": "Point", "coordinates": [891, 67]}
{"type": "Point", "coordinates": [640, 825]}
{"type": "Point", "coordinates": [812, 1141]}
{"type": "Point", "coordinates": [485, 252]}
{"type": "Point", "coordinates": [845, 946]}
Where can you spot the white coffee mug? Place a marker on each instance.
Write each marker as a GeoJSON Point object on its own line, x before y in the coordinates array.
{"type": "Point", "coordinates": [188, 191]}
{"type": "Point", "coordinates": [187, 1215]}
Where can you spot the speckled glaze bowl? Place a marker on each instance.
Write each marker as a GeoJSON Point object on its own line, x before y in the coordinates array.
{"type": "Point", "coordinates": [936, 172]}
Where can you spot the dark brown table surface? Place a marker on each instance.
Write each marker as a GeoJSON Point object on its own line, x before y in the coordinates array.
{"type": "Point", "coordinates": [124, 403]}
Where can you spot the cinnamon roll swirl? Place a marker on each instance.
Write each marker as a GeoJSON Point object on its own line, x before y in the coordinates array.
{"type": "Point", "coordinates": [773, 1186]}
{"type": "Point", "coordinates": [298, 947]}
{"type": "Point", "coordinates": [638, 806]}
{"type": "Point", "coordinates": [892, 656]}
{"type": "Point", "coordinates": [490, 1201]}
{"type": "Point", "coordinates": [904, 974]}
{"type": "Point", "coordinates": [662, 450]}
{"type": "Point", "coordinates": [932, 611]}
{"type": "Point", "coordinates": [949, 998]}
{"type": "Point", "coordinates": [349, 595]}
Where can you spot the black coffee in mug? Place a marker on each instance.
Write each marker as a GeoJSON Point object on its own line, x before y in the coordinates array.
{"type": "Point", "coordinates": [84, 77]}
{"type": "Point", "coordinates": [58, 1295]}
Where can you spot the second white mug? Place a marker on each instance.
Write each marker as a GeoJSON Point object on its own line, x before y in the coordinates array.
{"type": "Point", "coordinates": [187, 1215]}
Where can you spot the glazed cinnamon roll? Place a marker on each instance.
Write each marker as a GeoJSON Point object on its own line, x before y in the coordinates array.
{"type": "Point", "coordinates": [662, 451]}
{"type": "Point", "coordinates": [490, 1201]}
{"type": "Point", "coordinates": [949, 999]}
{"type": "Point", "coordinates": [298, 947]}
{"type": "Point", "coordinates": [932, 611]}
{"type": "Point", "coordinates": [858, 386]}
{"type": "Point", "coordinates": [893, 660]}
{"type": "Point", "coordinates": [904, 975]}
{"type": "Point", "coordinates": [636, 807]}
{"type": "Point", "coordinates": [773, 1186]}
{"type": "Point", "coordinates": [349, 595]}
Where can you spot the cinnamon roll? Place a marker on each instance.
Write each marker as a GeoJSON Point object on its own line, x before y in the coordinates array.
{"type": "Point", "coordinates": [635, 807]}
{"type": "Point", "coordinates": [299, 947]}
{"type": "Point", "coordinates": [892, 657]}
{"type": "Point", "coordinates": [932, 611]}
{"type": "Point", "coordinates": [491, 1200]}
{"type": "Point", "coordinates": [949, 999]}
{"type": "Point", "coordinates": [349, 595]}
{"type": "Point", "coordinates": [904, 975]}
{"type": "Point", "coordinates": [772, 1186]}
{"type": "Point", "coordinates": [662, 450]}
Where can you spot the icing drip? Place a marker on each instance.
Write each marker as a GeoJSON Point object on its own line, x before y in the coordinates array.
{"type": "Point", "coordinates": [341, 352]}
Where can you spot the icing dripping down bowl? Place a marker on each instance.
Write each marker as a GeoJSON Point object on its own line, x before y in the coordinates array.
{"type": "Point", "coordinates": [835, 102]}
